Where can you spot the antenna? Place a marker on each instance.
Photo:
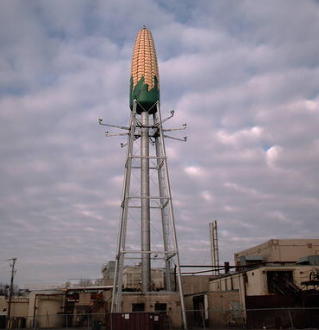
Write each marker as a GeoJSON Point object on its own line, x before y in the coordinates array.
{"type": "Point", "coordinates": [13, 271]}
{"type": "Point", "coordinates": [214, 246]}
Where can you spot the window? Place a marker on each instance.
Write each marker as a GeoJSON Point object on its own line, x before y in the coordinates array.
{"type": "Point", "coordinates": [281, 282]}
{"type": "Point", "coordinates": [138, 307]}
{"type": "Point", "coordinates": [159, 307]}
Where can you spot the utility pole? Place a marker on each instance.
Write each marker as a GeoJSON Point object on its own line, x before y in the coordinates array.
{"type": "Point", "coordinates": [13, 271]}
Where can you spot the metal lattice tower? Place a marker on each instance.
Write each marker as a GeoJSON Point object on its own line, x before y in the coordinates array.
{"type": "Point", "coordinates": [146, 207]}
{"type": "Point", "coordinates": [214, 246]}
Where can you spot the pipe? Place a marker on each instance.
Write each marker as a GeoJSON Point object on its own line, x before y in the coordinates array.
{"type": "Point", "coordinates": [145, 203]}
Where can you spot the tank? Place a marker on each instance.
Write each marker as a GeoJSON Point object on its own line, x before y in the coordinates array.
{"type": "Point", "coordinates": [144, 82]}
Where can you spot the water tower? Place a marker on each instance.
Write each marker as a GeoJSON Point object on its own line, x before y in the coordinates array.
{"type": "Point", "coordinates": [147, 205]}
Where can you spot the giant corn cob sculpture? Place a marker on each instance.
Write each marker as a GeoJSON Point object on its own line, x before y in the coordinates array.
{"type": "Point", "coordinates": [147, 203]}
{"type": "Point", "coordinates": [144, 73]}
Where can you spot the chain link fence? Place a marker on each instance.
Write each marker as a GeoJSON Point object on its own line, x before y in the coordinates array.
{"type": "Point", "coordinates": [283, 318]}
{"type": "Point", "coordinates": [234, 317]}
{"type": "Point", "coordinates": [212, 318]}
{"type": "Point", "coordinates": [60, 321]}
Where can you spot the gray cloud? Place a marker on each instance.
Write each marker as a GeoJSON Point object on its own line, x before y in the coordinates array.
{"type": "Point", "coordinates": [244, 77]}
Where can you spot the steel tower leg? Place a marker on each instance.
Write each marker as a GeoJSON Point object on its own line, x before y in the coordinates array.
{"type": "Point", "coordinates": [165, 220]}
{"type": "Point", "coordinates": [172, 218]}
{"type": "Point", "coordinates": [119, 262]}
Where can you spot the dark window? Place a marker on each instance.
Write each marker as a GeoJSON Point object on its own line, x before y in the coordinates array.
{"type": "Point", "coordinates": [281, 282]}
{"type": "Point", "coordinates": [138, 307]}
{"type": "Point", "coordinates": [160, 307]}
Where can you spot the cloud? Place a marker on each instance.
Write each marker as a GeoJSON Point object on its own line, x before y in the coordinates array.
{"type": "Point", "coordinates": [272, 155]}
{"type": "Point", "coordinates": [243, 76]}
{"type": "Point", "coordinates": [193, 171]}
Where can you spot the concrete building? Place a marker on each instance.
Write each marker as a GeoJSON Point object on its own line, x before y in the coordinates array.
{"type": "Point", "coordinates": [45, 308]}
{"type": "Point", "coordinates": [167, 303]}
{"type": "Point", "coordinates": [41, 308]}
{"type": "Point", "coordinates": [157, 301]}
{"type": "Point", "coordinates": [85, 305]}
{"type": "Point", "coordinates": [132, 278]}
{"type": "Point", "coordinates": [278, 250]}
{"type": "Point", "coordinates": [57, 308]}
{"type": "Point", "coordinates": [164, 302]}
{"type": "Point", "coordinates": [3, 311]}
{"type": "Point", "coordinates": [108, 273]}
{"type": "Point", "coordinates": [276, 293]}
{"type": "Point", "coordinates": [196, 298]}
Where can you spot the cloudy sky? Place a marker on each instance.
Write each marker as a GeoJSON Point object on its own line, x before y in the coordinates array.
{"type": "Point", "coordinates": [244, 75]}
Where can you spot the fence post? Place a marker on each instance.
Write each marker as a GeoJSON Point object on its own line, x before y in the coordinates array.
{"type": "Point", "coordinates": [291, 320]}
{"type": "Point", "coordinates": [203, 318]}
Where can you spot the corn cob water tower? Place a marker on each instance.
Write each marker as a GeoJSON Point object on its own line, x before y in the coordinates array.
{"type": "Point", "coordinates": [146, 208]}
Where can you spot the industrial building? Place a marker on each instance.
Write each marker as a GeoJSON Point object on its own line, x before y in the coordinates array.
{"type": "Point", "coordinates": [275, 286]}
{"type": "Point", "coordinates": [272, 285]}
{"type": "Point", "coordinates": [83, 306]}
{"type": "Point", "coordinates": [132, 278]}
{"type": "Point", "coordinates": [108, 273]}
{"type": "Point", "coordinates": [59, 308]}
{"type": "Point", "coordinates": [278, 250]}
